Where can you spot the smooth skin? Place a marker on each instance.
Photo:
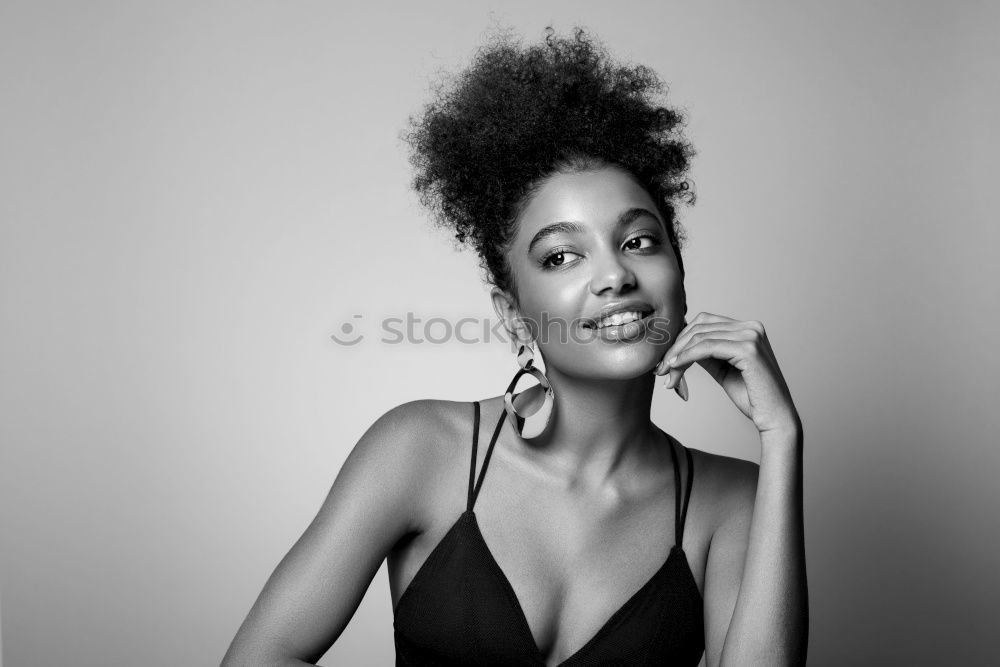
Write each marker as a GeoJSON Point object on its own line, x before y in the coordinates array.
{"type": "Point", "coordinates": [579, 518]}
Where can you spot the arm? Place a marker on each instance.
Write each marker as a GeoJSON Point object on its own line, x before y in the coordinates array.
{"type": "Point", "coordinates": [318, 585]}
{"type": "Point", "coordinates": [756, 602]}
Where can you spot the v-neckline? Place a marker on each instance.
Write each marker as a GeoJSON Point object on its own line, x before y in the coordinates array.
{"type": "Point", "coordinates": [528, 635]}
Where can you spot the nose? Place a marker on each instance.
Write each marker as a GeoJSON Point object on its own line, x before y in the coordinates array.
{"type": "Point", "coordinates": [611, 274]}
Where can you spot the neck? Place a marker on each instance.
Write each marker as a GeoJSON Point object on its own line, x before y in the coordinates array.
{"type": "Point", "coordinates": [597, 426]}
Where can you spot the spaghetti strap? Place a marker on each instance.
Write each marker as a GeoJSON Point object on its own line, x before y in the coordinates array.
{"type": "Point", "coordinates": [474, 490]}
{"type": "Point", "coordinates": [687, 494]}
{"type": "Point", "coordinates": [460, 605]}
{"type": "Point", "coordinates": [475, 446]}
{"type": "Point", "coordinates": [677, 492]}
{"type": "Point", "coordinates": [680, 512]}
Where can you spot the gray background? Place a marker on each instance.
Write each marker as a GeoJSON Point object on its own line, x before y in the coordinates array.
{"type": "Point", "coordinates": [196, 195]}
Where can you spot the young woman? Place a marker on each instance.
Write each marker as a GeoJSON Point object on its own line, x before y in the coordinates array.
{"type": "Point", "coordinates": [597, 538]}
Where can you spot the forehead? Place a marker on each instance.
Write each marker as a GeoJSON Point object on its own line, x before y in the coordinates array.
{"type": "Point", "coordinates": [594, 198]}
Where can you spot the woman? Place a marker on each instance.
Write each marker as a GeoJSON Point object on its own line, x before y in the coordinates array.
{"type": "Point", "coordinates": [597, 538]}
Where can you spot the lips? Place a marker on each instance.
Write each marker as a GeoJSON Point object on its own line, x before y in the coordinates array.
{"type": "Point", "coordinates": [619, 319]}
{"type": "Point", "coordinates": [617, 314]}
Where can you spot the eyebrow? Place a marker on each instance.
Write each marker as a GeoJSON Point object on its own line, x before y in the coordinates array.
{"type": "Point", "coordinates": [570, 227]}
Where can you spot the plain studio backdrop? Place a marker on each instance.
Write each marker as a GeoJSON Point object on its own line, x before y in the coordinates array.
{"type": "Point", "coordinates": [195, 196]}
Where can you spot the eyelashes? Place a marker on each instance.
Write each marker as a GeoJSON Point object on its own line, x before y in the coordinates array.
{"type": "Point", "coordinates": [557, 257]}
{"type": "Point", "coordinates": [558, 253]}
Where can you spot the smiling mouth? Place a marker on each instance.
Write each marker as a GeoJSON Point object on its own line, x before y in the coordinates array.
{"type": "Point", "coordinates": [618, 319]}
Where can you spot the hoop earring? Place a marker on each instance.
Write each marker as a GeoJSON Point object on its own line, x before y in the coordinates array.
{"type": "Point", "coordinates": [530, 426]}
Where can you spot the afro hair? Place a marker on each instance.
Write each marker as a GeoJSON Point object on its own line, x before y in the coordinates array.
{"type": "Point", "coordinates": [495, 130]}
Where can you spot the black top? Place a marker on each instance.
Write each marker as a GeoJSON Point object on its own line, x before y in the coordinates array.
{"type": "Point", "coordinates": [460, 608]}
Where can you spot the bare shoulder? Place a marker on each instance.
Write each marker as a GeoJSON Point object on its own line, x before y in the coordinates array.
{"type": "Point", "coordinates": [428, 426]}
{"type": "Point", "coordinates": [413, 423]}
{"type": "Point", "coordinates": [422, 423]}
{"type": "Point", "coordinates": [419, 441]}
{"type": "Point", "coordinates": [725, 485]}
{"type": "Point", "coordinates": [383, 491]}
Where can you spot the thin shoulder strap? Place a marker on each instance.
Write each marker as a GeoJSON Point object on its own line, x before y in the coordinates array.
{"type": "Point", "coordinates": [680, 513]}
{"type": "Point", "coordinates": [474, 489]}
{"type": "Point", "coordinates": [475, 447]}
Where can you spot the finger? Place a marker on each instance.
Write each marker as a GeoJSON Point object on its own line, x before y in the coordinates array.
{"type": "Point", "coordinates": [711, 317]}
{"type": "Point", "coordinates": [685, 335]}
{"type": "Point", "coordinates": [703, 318]}
{"type": "Point", "coordinates": [700, 322]}
{"type": "Point", "coordinates": [683, 359]}
{"type": "Point", "coordinates": [682, 388]}
{"type": "Point", "coordinates": [713, 348]}
{"type": "Point", "coordinates": [723, 328]}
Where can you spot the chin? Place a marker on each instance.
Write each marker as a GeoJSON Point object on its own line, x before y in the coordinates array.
{"type": "Point", "coordinates": [610, 361]}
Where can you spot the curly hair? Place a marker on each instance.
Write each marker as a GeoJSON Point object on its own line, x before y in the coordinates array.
{"type": "Point", "coordinates": [492, 135]}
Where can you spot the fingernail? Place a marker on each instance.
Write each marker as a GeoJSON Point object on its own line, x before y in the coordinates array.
{"type": "Point", "coordinates": [682, 388]}
{"type": "Point", "coordinates": [667, 380]}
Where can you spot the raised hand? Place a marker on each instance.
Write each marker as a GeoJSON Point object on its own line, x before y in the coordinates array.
{"type": "Point", "coordinates": [738, 356]}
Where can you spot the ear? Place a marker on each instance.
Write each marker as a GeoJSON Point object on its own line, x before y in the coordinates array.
{"type": "Point", "coordinates": [506, 309]}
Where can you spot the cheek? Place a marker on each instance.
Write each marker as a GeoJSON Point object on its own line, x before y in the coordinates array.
{"type": "Point", "coordinates": [664, 278]}
{"type": "Point", "coordinates": [677, 305]}
{"type": "Point", "coordinates": [678, 293]}
{"type": "Point", "coordinates": [669, 285]}
{"type": "Point", "coordinates": [678, 310]}
{"type": "Point", "coordinates": [549, 315]}
{"type": "Point", "coordinates": [559, 295]}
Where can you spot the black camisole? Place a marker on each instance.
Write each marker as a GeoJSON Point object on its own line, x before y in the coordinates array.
{"type": "Point", "coordinates": [460, 608]}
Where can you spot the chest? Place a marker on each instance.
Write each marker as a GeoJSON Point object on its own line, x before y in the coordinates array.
{"type": "Point", "coordinates": [561, 592]}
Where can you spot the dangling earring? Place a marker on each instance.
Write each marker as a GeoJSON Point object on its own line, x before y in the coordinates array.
{"type": "Point", "coordinates": [534, 424]}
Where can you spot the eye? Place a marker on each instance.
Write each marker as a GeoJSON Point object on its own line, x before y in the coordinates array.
{"type": "Point", "coordinates": [636, 243]}
{"type": "Point", "coordinates": [557, 258]}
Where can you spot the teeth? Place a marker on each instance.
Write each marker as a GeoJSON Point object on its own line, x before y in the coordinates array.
{"type": "Point", "coordinates": [619, 318]}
